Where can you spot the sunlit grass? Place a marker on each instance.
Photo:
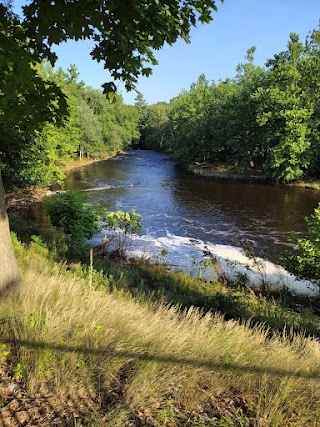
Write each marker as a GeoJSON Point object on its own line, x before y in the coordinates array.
{"type": "Point", "coordinates": [65, 335]}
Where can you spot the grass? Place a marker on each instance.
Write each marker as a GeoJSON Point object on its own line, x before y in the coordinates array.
{"type": "Point", "coordinates": [122, 361]}
{"type": "Point", "coordinates": [276, 309]}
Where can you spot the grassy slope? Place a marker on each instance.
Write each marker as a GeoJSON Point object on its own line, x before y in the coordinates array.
{"type": "Point", "coordinates": [121, 362]}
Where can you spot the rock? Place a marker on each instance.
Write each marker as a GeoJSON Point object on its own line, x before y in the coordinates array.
{"type": "Point", "coordinates": [22, 417]}
{"type": "Point", "coordinates": [10, 422]}
{"type": "Point", "coordinates": [14, 405]}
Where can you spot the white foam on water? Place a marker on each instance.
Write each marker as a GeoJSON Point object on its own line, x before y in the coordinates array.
{"type": "Point", "coordinates": [187, 254]}
{"type": "Point", "coordinates": [107, 187]}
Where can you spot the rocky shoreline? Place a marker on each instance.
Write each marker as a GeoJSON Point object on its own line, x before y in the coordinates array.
{"type": "Point", "coordinates": [224, 173]}
{"type": "Point", "coordinates": [232, 174]}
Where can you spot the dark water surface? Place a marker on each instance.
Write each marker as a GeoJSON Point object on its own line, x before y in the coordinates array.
{"type": "Point", "coordinates": [173, 201]}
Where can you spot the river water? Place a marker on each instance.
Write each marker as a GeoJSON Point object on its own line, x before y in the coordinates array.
{"type": "Point", "coordinates": [188, 214]}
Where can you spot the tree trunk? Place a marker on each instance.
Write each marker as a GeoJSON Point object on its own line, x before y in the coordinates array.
{"type": "Point", "coordinates": [9, 271]}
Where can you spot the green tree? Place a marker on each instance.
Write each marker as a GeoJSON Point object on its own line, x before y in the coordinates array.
{"type": "Point", "coordinates": [90, 131]}
{"type": "Point", "coordinates": [141, 107]}
{"type": "Point", "coordinates": [154, 127]}
{"type": "Point", "coordinates": [222, 116]}
{"type": "Point", "coordinates": [246, 142]}
{"type": "Point", "coordinates": [189, 114]}
{"type": "Point", "coordinates": [26, 102]}
{"type": "Point", "coordinates": [123, 223]}
{"type": "Point", "coordinates": [310, 69]}
{"type": "Point", "coordinates": [285, 112]}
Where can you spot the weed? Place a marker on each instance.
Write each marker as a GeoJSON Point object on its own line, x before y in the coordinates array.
{"type": "Point", "coordinates": [18, 371]}
{"type": "Point", "coordinates": [4, 353]}
{"type": "Point", "coordinates": [166, 414]}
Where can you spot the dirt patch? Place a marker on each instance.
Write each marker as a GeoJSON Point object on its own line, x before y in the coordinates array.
{"type": "Point", "coordinates": [24, 199]}
{"type": "Point", "coordinates": [227, 408]}
{"type": "Point", "coordinates": [79, 408]}
{"type": "Point", "coordinates": [75, 164]}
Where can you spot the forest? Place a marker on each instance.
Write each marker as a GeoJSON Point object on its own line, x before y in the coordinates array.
{"type": "Point", "coordinates": [95, 126]}
{"type": "Point", "coordinates": [264, 118]}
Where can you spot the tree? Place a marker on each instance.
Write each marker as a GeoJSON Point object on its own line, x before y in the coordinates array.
{"type": "Point", "coordinates": [310, 69]}
{"type": "Point", "coordinates": [125, 33]}
{"type": "Point", "coordinates": [154, 130]}
{"type": "Point", "coordinates": [26, 102]}
{"type": "Point", "coordinates": [285, 112]}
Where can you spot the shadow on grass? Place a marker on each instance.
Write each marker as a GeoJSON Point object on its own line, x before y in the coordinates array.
{"type": "Point", "coordinates": [275, 309]}
{"type": "Point", "coordinates": [212, 365]}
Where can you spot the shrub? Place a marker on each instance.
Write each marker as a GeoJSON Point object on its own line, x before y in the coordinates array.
{"type": "Point", "coordinates": [78, 220]}
{"type": "Point", "coordinates": [304, 259]}
{"type": "Point", "coordinates": [126, 223]}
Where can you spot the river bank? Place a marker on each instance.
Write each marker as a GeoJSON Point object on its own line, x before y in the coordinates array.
{"type": "Point", "coordinates": [23, 199]}
{"type": "Point", "coordinates": [188, 216]}
{"type": "Point", "coordinates": [233, 174]}
{"type": "Point", "coordinates": [225, 173]}
{"type": "Point", "coordinates": [110, 343]}
{"type": "Point", "coordinates": [76, 163]}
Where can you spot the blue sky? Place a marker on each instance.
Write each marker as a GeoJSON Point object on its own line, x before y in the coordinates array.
{"type": "Point", "coordinates": [215, 49]}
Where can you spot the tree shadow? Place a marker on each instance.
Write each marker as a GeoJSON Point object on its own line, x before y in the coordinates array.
{"type": "Point", "coordinates": [9, 287]}
{"type": "Point", "coordinates": [208, 364]}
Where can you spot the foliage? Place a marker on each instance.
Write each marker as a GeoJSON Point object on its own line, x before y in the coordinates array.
{"type": "Point", "coordinates": [166, 414]}
{"type": "Point", "coordinates": [153, 125]}
{"type": "Point", "coordinates": [21, 85]}
{"type": "Point", "coordinates": [78, 220]}
{"type": "Point", "coordinates": [81, 221]}
{"type": "Point", "coordinates": [275, 309]}
{"type": "Point", "coordinates": [304, 259]}
{"type": "Point", "coordinates": [33, 96]}
{"type": "Point", "coordinates": [27, 102]}
{"type": "Point", "coordinates": [128, 222]}
{"type": "Point", "coordinates": [125, 38]}
{"type": "Point", "coordinates": [94, 128]}
{"type": "Point", "coordinates": [125, 223]}
{"type": "Point", "coordinates": [266, 119]}
{"type": "Point", "coordinates": [285, 111]}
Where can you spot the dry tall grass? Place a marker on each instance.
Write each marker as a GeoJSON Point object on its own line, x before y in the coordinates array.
{"type": "Point", "coordinates": [65, 335]}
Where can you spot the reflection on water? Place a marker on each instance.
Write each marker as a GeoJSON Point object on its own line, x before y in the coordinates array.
{"type": "Point", "coordinates": [173, 201]}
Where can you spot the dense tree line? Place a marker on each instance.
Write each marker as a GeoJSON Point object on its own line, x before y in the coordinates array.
{"type": "Point", "coordinates": [265, 118]}
{"type": "Point", "coordinates": [94, 126]}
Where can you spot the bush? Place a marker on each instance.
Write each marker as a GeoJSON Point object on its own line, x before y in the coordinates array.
{"type": "Point", "coordinates": [78, 220]}
{"type": "Point", "coordinates": [125, 223]}
{"type": "Point", "coordinates": [304, 259]}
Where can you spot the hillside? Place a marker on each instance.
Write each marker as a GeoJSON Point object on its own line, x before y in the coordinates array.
{"type": "Point", "coordinates": [82, 356]}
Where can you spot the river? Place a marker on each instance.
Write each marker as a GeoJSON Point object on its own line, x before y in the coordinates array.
{"type": "Point", "coordinates": [188, 214]}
